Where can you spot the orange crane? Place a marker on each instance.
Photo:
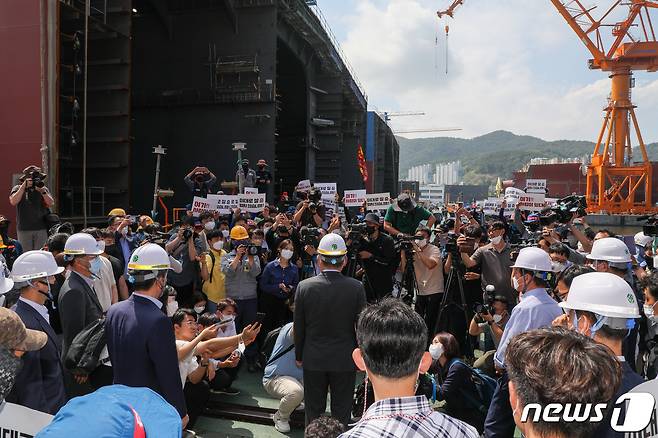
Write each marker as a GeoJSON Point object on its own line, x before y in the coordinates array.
{"type": "Point", "coordinates": [615, 184]}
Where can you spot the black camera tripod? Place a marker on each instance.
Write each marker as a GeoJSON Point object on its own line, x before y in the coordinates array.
{"type": "Point", "coordinates": [409, 283]}
{"type": "Point", "coordinates": [455, 273]}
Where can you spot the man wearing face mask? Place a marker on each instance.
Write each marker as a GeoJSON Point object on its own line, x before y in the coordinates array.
{"type": "Point", "coordinates": [79, 307]}
{"type": "Point", "coordinates": [40, 382]}
{"type": "Point", "coordinates": [495, 261]}
{"type": "Point", "coordinates": [263, 177]}
{"type": "Point", "coordinates": [602, 306]}
{"type": "Point", "coordinates": [140, 337]}
{"type": "Point", "coordinates": [536, 309]}
{"type": "Point", "coordinates": [246, 175]}
{"type": "Point", "coordinates": [649, 327]}
{"type": "Point", "coordinates": [429, 269]}
{"type": "Point", "coordinates": [15, 341]}
{"type": "Point", "coordinates": [211, 270]}
{"type": "Point", "coordinates": [376, 256]}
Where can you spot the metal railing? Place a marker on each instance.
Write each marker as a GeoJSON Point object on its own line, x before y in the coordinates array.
{"type": "Point", "coordinates": [325, 25]}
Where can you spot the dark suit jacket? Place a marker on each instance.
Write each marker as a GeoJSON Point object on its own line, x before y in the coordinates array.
{"type": "Point", "coordinates": [78, 307]}
{"type": "Point", "coordinates": [40, 382]}
{"type": "Point", "coordinates": [327, 307]}
{"type": "Point", "coordinates": [142, 347]}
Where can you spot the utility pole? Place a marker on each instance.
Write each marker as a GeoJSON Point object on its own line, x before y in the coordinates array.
{"type": "Point", "coordinates": [239, 148]}
{"type": "Point", "coordinates": [159, 151]}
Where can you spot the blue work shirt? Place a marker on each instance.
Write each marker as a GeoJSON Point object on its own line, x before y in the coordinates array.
{"type": "Point", "coordinates": [285, 365]}
{"type": "Point", "coordinates": [535, 310]}
{"type": "Point", "coordinates": [274, 274]}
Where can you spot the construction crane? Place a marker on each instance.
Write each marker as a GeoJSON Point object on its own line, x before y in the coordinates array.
{"type": "Point", "coordinates": [415, 131]}
{"type": "Point", "coordinates": [387, 115]}
{"type": "Point", "coordinates": [451, 10]}
{"type": "Point", "coordinates": [615, 184]}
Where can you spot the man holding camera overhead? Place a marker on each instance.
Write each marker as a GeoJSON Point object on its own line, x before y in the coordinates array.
{"type": "Point", "coordinates": [404, 216]}
{"type": "Point", "coordinates": [32, 200]}
{"type": "Point", "coordinates": [200, 181]}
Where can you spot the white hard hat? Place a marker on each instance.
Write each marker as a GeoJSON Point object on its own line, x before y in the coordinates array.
{"type": "Point", "coordinates": [610, 249]}
{"type": "Point", "coordinates": [604, 294]}
{"type": "Point", "coordinates": [149, 257]}
{"type": "Point", "coordinates": [332, 245]}
{"type": "Point", "coordinates": [82, 244]}
{"type": "Point", "coordinates": [533, 259]}
{"type": "Point", "coordinates": [642, 239]}
{"type": "Point", "coordinates": [34, 264]}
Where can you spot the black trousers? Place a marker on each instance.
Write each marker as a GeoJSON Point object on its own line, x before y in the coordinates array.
{"type": "Point", "coordinates": [316, 386]}
{"type": "Point", "coordinates": [102, 376]}
{"type": "Point", "coordinates": [196, 397]}
{"type": "Point", "coordinates": [276, 312]}
{"type": "Point", "coordinates": [427, 306]}
{"type": "Point", "coordinates": [500, 419]}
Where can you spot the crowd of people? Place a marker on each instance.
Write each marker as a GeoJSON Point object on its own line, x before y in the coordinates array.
{"type": "Point", "coordinates": [481, 315]}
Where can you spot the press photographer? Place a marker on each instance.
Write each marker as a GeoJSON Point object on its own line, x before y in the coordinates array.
{"type": "Point", "coordinates": [200, 181]}
{"type": "Point", "coordinates": [490, 319]}
{"type": "Point", "coordinates": [377, 254]}
{"type": "Point", "coordinates": [494, 259]}
{"type": "Point", "coordinates": [310, 212]}
{"type": "Point", "coordinates": [428, 267]}
{"type": "Point", "coordinates": [404, 216]}
{"type": "Point", "coordinates": [184, 246]}
{"type": "Point", "coordinates": [32, 200]}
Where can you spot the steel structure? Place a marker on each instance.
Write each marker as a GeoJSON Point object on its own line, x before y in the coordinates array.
{"type": "Point", "coordinates": [615, 183]}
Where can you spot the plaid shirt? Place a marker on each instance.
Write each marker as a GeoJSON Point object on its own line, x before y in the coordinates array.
{"type": "Point", "coordinates": [408, 417]}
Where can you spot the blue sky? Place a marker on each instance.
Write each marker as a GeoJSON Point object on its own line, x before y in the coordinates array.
{"type": "Point", "coordinates": [513, 64]}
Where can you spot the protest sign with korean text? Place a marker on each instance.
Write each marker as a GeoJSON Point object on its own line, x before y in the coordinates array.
{"type": "Point", "coordinates": [354, 198]}
{"type": "Point", "coordinates": [251, 203]}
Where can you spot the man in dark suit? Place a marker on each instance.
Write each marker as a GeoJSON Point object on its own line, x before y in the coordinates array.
{"type": "Point", "coordinates": [79, 307]}
{"type": "Point", "coordinates": [40, 383]}
{"type": "Point", "coordinates": [140, 336]}
{"type": "Point", "coordinates": [327, 308]}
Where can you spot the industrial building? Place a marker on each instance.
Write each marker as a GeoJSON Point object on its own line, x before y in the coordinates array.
{"type": "Point", "coordinates": [92, 91]}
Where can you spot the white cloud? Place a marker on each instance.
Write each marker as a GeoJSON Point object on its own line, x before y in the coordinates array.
{"type": "Point", "coordinates": [514, 65]}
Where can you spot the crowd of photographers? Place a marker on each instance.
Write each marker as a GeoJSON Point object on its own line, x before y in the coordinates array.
{"type": "Point", "coordinates": [218, 293]}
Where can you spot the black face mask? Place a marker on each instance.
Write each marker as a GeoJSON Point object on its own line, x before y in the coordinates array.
{"type": "Point", "coordinates": [371, 229]}
{"type": "Point", "coordinates": [261, 167]}
{"type": "Point", "coordinates": [245, 167]}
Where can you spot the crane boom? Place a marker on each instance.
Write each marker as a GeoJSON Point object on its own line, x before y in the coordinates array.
{"type": "Point", "coordinates": [615, 183]}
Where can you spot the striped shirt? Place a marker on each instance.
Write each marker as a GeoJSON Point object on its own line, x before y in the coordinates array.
{"type": "Point", "coordinates": [408, 417]}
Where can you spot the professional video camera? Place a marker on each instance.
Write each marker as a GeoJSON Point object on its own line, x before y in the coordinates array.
{"type": "Point", "coordinates": [487, 307]}
{"type": "Point", "coordinates": [310, 236]}
{"type": "Point", "coordinates": [515, 248]}
{"type": "Point", "coordinates": [37, 179]}
{"type": "Point", "coordinates": [254, 250]}
{"type": "Point", "coordinates": [565, 210]}
{"type": "Point", "coordinates": [315, 195]}
{"type": "Point", "coordinates": [650, 228]}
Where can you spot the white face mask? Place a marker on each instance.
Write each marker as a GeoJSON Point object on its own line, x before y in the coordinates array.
{"type": "Point", "coordinates": [496, 240]}
{"type": "Point", "coordinates": [648, 310]}
{"type": "Point", "coordinates": [436, 350]}
{"type": "Point", "coordinates": [218, 245]}
{"type": "Point", "coordinates": [226, 317]}
{"type": "Point", "coordinates": [286, 254]}
{"type": "Point", "coordinates": [209, 225]}
{"type": "Point", "coordinates": [225, 233]}
{"type": "Point", "coordinates": [422, 243]}
{"type": "Point", "coordinates": [497, 318]}
{"type": "Point", "coordinates": [172, 307]}
{"type": "Point", "coordinates": [199, 309]}
{"type": "Point", "coordinates": [266, 229]}
{"type": "Point", "coordinates": [558, 266]}
{"type": "Point", "coordinates": [515, 283]}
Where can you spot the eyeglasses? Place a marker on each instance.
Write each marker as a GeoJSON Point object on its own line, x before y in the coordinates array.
{"type": "Point", "coordinates": [190, 322]}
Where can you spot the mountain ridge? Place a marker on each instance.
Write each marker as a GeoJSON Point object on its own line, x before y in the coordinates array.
{"type": "Point", "coordinates": [492, 155]}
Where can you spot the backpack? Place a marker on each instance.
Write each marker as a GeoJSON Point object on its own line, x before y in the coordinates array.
{"type": "Point", "coordinates": [485, 386]}
{"type": "Point", "coordinates": [84, 352]}
{"type": "Point", "coordinates": [268, 346]}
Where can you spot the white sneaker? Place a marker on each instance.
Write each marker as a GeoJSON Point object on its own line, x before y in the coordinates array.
{"type": "Point", "coordinates": [279, 424]}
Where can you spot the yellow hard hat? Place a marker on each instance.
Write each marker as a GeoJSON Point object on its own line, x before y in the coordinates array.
{"type": "Point", "coordinates": [238, 232]}
{"type": "Point", "coordinates": [117, 212]}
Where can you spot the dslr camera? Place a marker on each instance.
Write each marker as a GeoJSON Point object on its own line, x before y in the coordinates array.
{"type": "Point", "coordinates": [310, 236]}
{"type": "Point", "coordinates": [565, 210]}
{"type": "Point", "coordinates": [187, 233]}
{"type": "Point", "coordinates": [489, 296]}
